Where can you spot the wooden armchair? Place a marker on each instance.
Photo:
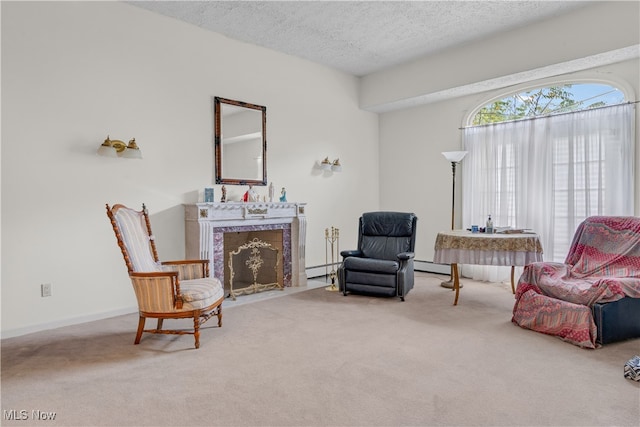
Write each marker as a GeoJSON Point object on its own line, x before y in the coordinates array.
{"type": "Point", "coordinates": [164, 290]}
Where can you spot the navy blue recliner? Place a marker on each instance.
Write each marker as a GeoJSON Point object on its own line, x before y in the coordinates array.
{"type": "Point", "coordinates": [383, 263]}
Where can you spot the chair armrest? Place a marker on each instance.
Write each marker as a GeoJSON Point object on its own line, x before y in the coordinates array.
{"type": "Point", "coordinates": [404, 256]}
{"type": "Point", "coordinates": [152, 274]}
{"type": "Point", "coordinates": [157, 291]}
{"type": "Point", "coordinates": [190, 268]}
{"type": "Point", "coordinates": [186, 261]}
{"type": "Point", "coordinates": [353, 252]}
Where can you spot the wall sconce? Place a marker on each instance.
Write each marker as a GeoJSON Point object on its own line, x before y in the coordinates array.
{"type": "Point", "coordinates": [328, 165]}
{"type": "Point", "coordinates": [117, 148]}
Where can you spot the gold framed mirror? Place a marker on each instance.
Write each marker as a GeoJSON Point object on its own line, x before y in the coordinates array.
{"type": "Point", "coordinates": [240, 142]}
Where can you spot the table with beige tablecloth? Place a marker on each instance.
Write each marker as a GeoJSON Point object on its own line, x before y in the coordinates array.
{"type": "Point", "coordinates": [507, 249]}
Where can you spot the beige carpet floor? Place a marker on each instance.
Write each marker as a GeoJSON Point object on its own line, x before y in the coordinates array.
{"type": "Point", "coordinates": [317, 358]}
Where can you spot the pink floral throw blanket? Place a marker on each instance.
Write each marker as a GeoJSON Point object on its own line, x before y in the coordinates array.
{"type": "Point", "coordinates": [603, 265]}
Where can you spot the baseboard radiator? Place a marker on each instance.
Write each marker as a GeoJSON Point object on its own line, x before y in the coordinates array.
{"type": "Point", "coordinates": [422, 266]}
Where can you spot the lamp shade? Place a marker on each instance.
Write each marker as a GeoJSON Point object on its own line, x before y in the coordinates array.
{"type": "Point", "coordinates": [326, 164]}
{"type": "Point", "coordinates": [132, 151]}
{"type": "Point", "coordinates": [107, 150]}
{"type": "Point", "coordinates": [454, 156]}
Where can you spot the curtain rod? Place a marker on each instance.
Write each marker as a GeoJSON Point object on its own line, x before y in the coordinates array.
{"type": "Point", "coordinates": [549, 115]}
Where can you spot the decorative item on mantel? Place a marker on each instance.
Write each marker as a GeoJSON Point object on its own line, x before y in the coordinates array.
{"type": "Point", "coordinates": [208, 195]}
{"type": "Point", "coordinates": [283, 195]}
{"type": "Point", "coordinates": [251, 195]}
{"type": "Point", "coordinates": [271, 192]}
{"type": "Point", "coordinates": [223, 198]}
{"type": "Point", "coordinates": [332, 240]}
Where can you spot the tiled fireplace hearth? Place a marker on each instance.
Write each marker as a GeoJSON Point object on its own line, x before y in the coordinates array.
{"type": "Point", "coordinates": [207, 223]}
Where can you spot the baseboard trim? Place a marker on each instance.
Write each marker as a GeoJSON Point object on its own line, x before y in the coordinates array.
{"type": "Point", "coordinates": [10, 333]}
{"type": "Point", "coordinates": [431, 267]}
{"type": "Point", "coordinates": [318, 271]}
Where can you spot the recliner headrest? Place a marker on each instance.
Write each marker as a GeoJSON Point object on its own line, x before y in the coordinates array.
{"type": "Point", "coordinates": [391, 224]}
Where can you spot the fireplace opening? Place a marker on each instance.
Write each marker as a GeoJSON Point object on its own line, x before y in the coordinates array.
{"type": "Point", "coordinates": [256, 258]}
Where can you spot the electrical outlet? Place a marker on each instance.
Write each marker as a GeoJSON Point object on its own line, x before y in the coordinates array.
{"type": "Point", "coordinates": [45, 289]}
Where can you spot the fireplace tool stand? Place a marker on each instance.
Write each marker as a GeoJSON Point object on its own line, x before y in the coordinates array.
{"type": "Point", "coordinates": [332, 241]}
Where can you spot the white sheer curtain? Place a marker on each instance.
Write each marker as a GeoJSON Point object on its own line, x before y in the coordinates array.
{"type": "Point", "coordinates": [548, 174]}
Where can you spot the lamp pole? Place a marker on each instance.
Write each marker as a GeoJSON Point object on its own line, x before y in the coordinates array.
{"type": "Point", "coordinates": [453, 199]}
{"type": "Point", "coordinates": [454, 157]}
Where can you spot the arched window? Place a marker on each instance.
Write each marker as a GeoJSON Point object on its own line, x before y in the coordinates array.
{"type": "Point", "coordinates": [546, 159]}
{"type": "Point", "coordinates": [549, 100]}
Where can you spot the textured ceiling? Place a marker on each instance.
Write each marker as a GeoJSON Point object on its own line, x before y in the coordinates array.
{"type": "Point", "coordinates": [359, 37]}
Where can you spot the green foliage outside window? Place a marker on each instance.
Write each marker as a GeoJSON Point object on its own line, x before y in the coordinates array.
{"type": "Point", "coordinates": [546, 101]}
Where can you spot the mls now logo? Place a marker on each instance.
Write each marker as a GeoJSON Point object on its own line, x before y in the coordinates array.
{"type": "Point", "coordinates": [23, 414]}
{"type": "Point", "coordinates": [14, 414]}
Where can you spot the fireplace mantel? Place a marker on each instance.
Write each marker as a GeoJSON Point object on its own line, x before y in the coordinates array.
{"type": "Point", "coordinates": [205, 223]}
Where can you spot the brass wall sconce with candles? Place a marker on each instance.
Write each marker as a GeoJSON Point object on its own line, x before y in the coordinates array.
{"type": "Point", "coordinates": [118, 148]}
{"type": "Point", "coordinates": [334, 166]}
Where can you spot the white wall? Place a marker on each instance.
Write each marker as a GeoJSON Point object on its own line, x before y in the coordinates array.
{"type": "Point", "coordinates": [75, 72]}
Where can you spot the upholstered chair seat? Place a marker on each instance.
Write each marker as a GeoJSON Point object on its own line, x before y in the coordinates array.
{"type": "Point", "coordinates": [155, 295]}
{"type": "Point", "coordinates": [370, 265]}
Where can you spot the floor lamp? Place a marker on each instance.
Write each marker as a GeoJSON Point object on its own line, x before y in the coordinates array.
{"type": "Point", "coordinates": [454, 157]}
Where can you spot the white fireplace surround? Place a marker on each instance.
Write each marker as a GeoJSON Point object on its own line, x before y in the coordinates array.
{"type": "Point", "coordinates": [206, 223]}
